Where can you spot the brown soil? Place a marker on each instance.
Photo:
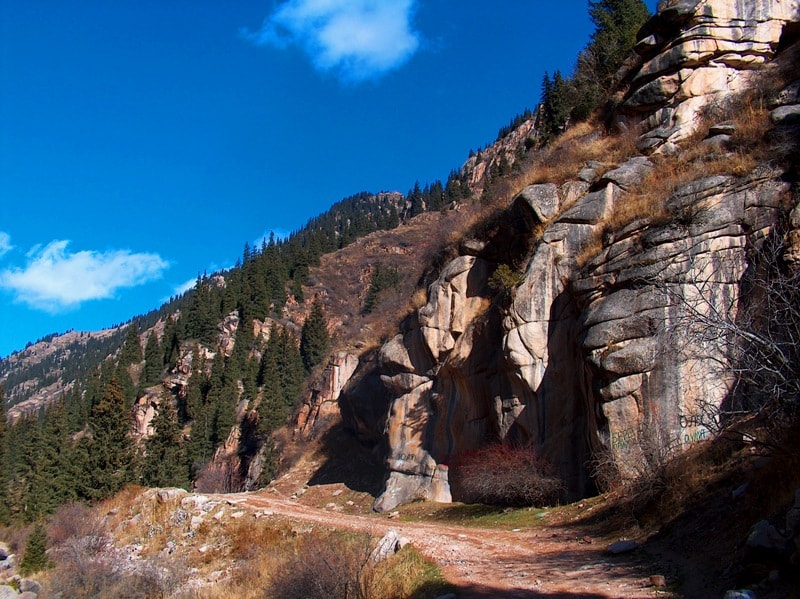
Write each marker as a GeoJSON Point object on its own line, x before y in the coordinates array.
{"type": "Point", "coordinates": [548, 560]}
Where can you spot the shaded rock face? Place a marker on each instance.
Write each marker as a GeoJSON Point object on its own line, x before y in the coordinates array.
{"type": "Point", "coordinates": [579, 356]}
{"type": "Point", "coordinates": [695, 53]}
{"type": "Point", "coordinates": [587, 352]}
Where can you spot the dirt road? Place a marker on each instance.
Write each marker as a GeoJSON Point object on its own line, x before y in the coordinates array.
{"type": "Point", "coordinates": [549, 561]}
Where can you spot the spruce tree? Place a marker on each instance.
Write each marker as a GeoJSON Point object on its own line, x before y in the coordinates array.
{"type": "Point", "coordinates": [110, 450]}
{"type": "Point", "coordinates": [35, 557]}
{"type": "Point", "coordinates": [170, 343]}
{"type": "Point", "coordinates": [153, 360]}
{"type": "Point", "coordinates": [314, 340]}
{"type": "Point", "coordinates": [4, 511]}
{"type": "Point", "coordinates": [165, 462]}
{"type": "Point", "coordinates": [131, 352]}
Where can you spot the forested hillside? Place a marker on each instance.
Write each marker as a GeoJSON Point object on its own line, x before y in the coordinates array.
{"type": "Point", "coordinates": [219, 369]}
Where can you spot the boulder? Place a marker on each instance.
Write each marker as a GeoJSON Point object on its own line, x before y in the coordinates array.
{"type": "Point", "coordinates": [764, 536]}
{"type": "Point", "coordinates": [622, 547]}
{"type": "Point", "coordinates": [786, 115]}
{"type": "Point", "coordinates": [28, 585]}
{"type": "Point", "coordinates": [543, 200]}
{"type": "Point", "coordinates": [7, 592]}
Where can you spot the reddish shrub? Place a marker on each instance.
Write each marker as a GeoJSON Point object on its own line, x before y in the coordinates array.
{"type": "Point", "coordinates": [501, 474]}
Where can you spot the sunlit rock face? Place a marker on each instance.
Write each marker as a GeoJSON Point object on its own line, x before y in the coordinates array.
{"type": "Point", "coordinates": [587, 347]}
{"type": "Point", "coordinates": [579, 356]}
{"type": "Point", "coordinates": [694, 55]}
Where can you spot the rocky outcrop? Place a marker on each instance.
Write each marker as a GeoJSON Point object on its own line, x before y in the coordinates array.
{"type": "Point", "coordinates": [580, 355]}
{"type": "Point", "coordinates": [695, 54]}
{"type": "Point", "coordinates": [320, 407]}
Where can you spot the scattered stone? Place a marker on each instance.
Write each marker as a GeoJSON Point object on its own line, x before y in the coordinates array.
{"type": "Point", "coordinates": [739, 491]}
{"type": "Point", "coordinates": [29, 585]}
{"type": "Point", "coordinates": [195, 521]}
{"type": "Point", "coordinates": [658, 581]}
{"type": "Point", "coordinates": [203, 549]}
{"type": "Point", "coordinates": [394, 515]}
{"type": "Point", "coordinates": [387, 546]}
{"type": "Point", "coordinates": [622, 547]}
{"type": "Point", "coordinates": [351, 503]}
{"type": "Point", "coordinates": [219, 515]}
{"type": "Point", "coordinates": [237, 515]}
{"type": "Point", "coordinates": [765, 536]}
{"type": "Point", "coordinates": [740, 594]}
{"type": "Point", "coordinates": [337, 492]}
{"type": "Point", "coordinates": [628, 173]}
{"type": "Point", "coordinates": [7, 592]}
{"type": "Point", "coordinates": [786, 115]}
{"type": "Point", "coordinates": [166, 495]}
{"type": "Point", "coordinates": [5, 551]}
{"type": "Point", "coordinates": [722, 129]}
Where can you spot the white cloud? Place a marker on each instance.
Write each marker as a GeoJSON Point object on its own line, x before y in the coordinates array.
{"type": "Point", "coordinates": [358, 39]}
{"type": "Point", "coordinates": [54, 279]}
{"type": "Point", "coordinates": [5, 243]}
{"type": "Point", "coordinates": [184, 287]}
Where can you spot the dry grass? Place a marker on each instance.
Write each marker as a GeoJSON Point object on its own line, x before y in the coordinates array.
{"type": "Point", "coordinates": [648, 200]}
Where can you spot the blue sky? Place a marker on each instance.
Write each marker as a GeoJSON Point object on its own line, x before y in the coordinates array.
{"type": "Point", "coordinates": [143, 141]}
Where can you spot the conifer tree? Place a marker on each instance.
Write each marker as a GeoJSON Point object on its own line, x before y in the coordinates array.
{"type": "Point", "coordinates": [153, 360]}
{"type": "Point", "coordinates": [110, 451]}
{"type": "Point", "coordinates": [55, 472]}
{"type": "Point", "coordinates": [616, 25]}
{"type": "Point", "coordinates": [131, 352]}
{"type": "Point", "coordinates": [35, 557]}
{"type": "Point", "coordinates": [314, 340]}
{"type": "Point", "coordinates": [170, 343]}
{"type": "Point", "coordinates": [4, 511]}
{"type": "Point", "coordinates": [165, 462]}
{"type": "Point", "coordinates": [196, 386]}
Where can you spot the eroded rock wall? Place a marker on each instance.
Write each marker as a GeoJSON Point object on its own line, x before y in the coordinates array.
{"type": "Point", "coordinates": [588, 347]}
{"type": "Point", "coordinates": [695, 54]}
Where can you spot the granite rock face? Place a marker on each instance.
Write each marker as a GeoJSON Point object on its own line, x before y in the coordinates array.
{"type": "Point", "coordinates": [578, 356]}
{"type": "Point", "coordinates": [697, 53]}
{"type": "Point", "coordinates": [587, 347]}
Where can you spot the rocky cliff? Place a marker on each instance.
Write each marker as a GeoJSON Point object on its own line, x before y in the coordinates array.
{"type": "Point", "coordinates": [584, 348]}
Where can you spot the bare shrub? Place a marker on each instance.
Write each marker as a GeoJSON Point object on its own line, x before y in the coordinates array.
{"type": "Point", "coordinates": [641, 471]}
{"type": "Point", "coordinates": [331, 565]}
{"type": "Point", "coordinates": [88, 565]}
{"type": "Point", "coordinates": [750, 339]}
{"type": "Point", "coordinates": [500, 474]}
{"type": "Point", "coordinates": [73, 521]}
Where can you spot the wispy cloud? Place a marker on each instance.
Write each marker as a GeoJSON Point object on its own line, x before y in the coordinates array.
{"type": "Point", "coordinates": [357, 39]}
{"type": "Point", "coordinates": [183, 287]}
{"type": "Point", "coordinates": [279, 235]}
{"type": "Point", "coordinates": [5, 243]}
{"type": "Point", "coordinates": [55, 279]}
